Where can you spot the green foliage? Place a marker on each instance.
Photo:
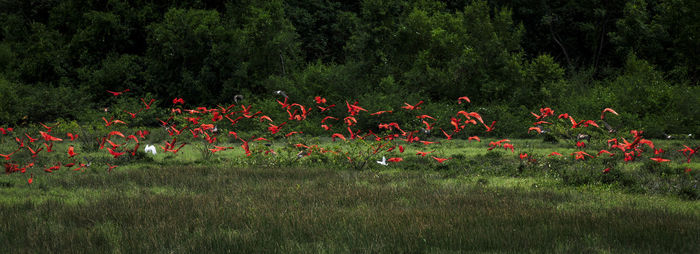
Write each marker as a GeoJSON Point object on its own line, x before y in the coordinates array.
{"type": "Point", "coordinates": [637, 57]}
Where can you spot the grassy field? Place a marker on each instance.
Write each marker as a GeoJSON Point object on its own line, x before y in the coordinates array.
{"type": "Point", "coordinates": [477, 202]}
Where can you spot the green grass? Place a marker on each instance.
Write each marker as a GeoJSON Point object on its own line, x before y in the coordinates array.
{"type": "Point", "coordinates": [477, 202]}
{"type": "Point", "coordinates": [149, 209]}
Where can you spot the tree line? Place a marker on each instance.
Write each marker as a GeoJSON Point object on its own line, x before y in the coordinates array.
{"type": "Point", "coordinates": [57, 58]}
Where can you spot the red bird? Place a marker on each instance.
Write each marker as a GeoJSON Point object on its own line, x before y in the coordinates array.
{"type": "Point", "coordinates": [605, 151]}
{"type": "Point", "coordinates": [49, 148]}
{"type": "Point", "coordinates": [394, 159]}
{"type": "Point", "coordinates": [72, 136]}
{"type": "Point", "coordinates": [292, 133]}
{"type": "Point", "coordinates": [112, 121]}
{"type": "Point", "coordinates": [34, 153]}
{"type": "Point", "coordinates": [115, 154]}
{"type": "Point", "coordinates": [490, 128]}
{"type": "Point", "coordinates": [48, 137]}
{"type": "Point", "coordinates": [659, 159]}
{"type": "Point", "coordinates": [56, 167]}
{"type": "Point", "coordinates": [602, 114]}
{"type": "Point", "coordinates": [320, 100]}
{"type": "Point", "coordinates": [449, 137]}
{"type": "Point", "coordinates": [522, 156]}
{"type": "Point", "coordinates": [31, 178]}
{"type": "Point", "coordinates": [537, 129]}
{"type": "Point", "coordinates": [380, 112]}
{"type": "Point", "coordinates": [118, 133]}
{"type": "Point", "coordinates": [440, 160]}
{"type": "Point", "coordinates": [148, 105]}
{"type": "Point", "coordinates": [178, 100]}
{"type": "Point", "coordinates": [412, 107]}
{"type": "Point", "coordinates": [463, 98]}
{"type": "Point", "coordinates": [324, 109]}
{"type": "Point", "coordinates": [133, 115]}
{"type": "Point", "coordinates": [474, 138]}
{"type": "Point", "coordinates": [71, 152]}
{"type": "Point", "coordinates": [31, 140]}
{"type": "Point", "coordinates": [7, 156]}
{"type": "Point", "coordinates": [118, 93]}
{"type": "Point", "coordinates": [275, 128]}
{"type": "Point", "coordinates": [423, 153]}
{"type": "Point", "coordinates": [4, 131]}
{"type": "Point", "coordinates": [338, 135]}
{"type": "Point", "coordinates": [554, 153]}
{"type": "Point", "coordinates": [111, 167]}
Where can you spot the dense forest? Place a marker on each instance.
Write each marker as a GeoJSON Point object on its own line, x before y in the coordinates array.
{"type": "Point", "coordinates": [58, 58]}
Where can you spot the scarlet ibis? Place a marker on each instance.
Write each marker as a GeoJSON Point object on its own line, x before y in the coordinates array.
{"type": "Point", "coordinates": [412, 107]}
{"type": "Point", "coordinates": [320, 100]}
{"type": "Point", "coordinates": [338, 135]}
{"type": "Point", "coordinates": [178, 100]}
{"type": "Point", "coordinates": [537, 129]}
{"type": "Point", "coordinates": [554, 153]}
{"type": "Point", "coordinates": [395, 159]}
{"type": "Point", "coordinates": [380, 112]}
{"type": "Point", "coordinates": [602, 114]}
{"type": "Point", "coordinates": [48, 137]}
{"type": "Point", "coordinates": [350, 121]}
{"type": "Point", "coordinates": [4, 131]}
{"type": "Point", "coordinates": [449, 137]}
{"type": "Point", "coordinates": [115, 154]}
{"type": "Point", "coordinates": [8, 156]}
{"type": "Point", "coordinates": [659, 159]}
{"type": "Point", "coordinates": [110, 167]}
{"type": "Point", "coordinates": [31, 178]}
{"type": "Point", "coordinates": [275, 128]}
{"type": "Point", "coordinates": [118, 93]}
{"type": "Point", "coordinates": [474, 138]}
{"type": "Point", "coordinates": [133, 115]}
{"type": "Point", "coordinates": [71, 152]}
{"type": "Point", "coordinates": [49, 148]}
{"type": "Point", "coordinates": [148, 105]}
{"type": "Point", "coordinates": [72, 136]}
{"type": "Point", "coordinates": [423, 153]}
{"type": "Point", "coordinates": [581, 155]}
{"type": "Point", "coordinates": [606, 170]}
{"type": "Point", "coordinates": [31, 140]}
{"type": "Point", "coordinates": [48, 129]}
{"type": "Point", "coordinates": [265, 118]}
{"type": "Point", "coordinates": [324, 109]}
{"type": "Point", "coordinates": [34, 153]}
{"type": "Point", "coordinates": [292, 133]}
{"type": "Point", "coordinates": [605, 151]}
{"type": "Point", "coordinates": [440, 160]}
{"type": "Point", "coordinates": [112, 121]}
{"type": "Point", "coordinates": [490, 128]}
{"type": "Point", "coordinates": [463, 98]}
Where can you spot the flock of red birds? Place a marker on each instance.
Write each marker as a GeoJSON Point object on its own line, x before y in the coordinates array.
{"type": "Point", "coordinates": [119, 144]}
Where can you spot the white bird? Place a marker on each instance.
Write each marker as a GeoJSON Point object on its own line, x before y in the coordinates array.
{"type": "Point", "coordinates": [280, 92]}
{"type": "Point", "coordinates": [150, 148]}
{"type": "Point", "coordinates": [383, 161]}
{"type": "Point", "coordinates": [237, 98]}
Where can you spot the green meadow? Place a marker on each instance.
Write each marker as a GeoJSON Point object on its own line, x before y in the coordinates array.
{"type": "Point", "coordinates": [478, 201]}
